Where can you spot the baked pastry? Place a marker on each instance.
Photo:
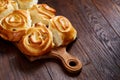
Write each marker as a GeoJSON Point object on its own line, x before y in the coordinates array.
{"type": "Point", "coordinates": [14, 4]}
{"type": "Point", "coordinates": [42, 13]}
{"type": "Point", "coordinates": [26, 4]}
{"type": "Point", "coordinates": [14, 25]}
{"type": "Point", "coordinates": [37, 41]}
{"type": "Point", "coordinates": [62, 30]}
{"type": "Point", "coordinates": [6, 7]}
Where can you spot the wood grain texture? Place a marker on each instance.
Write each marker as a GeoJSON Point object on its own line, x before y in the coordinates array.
{"type": "Point", "coordinates": [97, 45]}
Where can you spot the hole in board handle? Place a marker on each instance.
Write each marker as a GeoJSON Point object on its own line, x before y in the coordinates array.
{"type": "Point", "coordinates": [72, 63]}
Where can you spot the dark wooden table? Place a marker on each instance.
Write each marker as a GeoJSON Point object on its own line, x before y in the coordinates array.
{"type": "Point", "coordinates": [97, 45]}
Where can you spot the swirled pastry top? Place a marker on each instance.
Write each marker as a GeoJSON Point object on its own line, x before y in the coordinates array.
{"type": "Point", "coordinates": [6, 7]}
{"type": "Point", "coordinates": [13, 26]}
{"type": "Point", "coordinates": [26, 4]}
{"type": "Point", "coordinates": [63, 31]}
{"type": "Point", "coordinates": [42, 13]}
{"type": "Point", "coordinates": [37, 41]}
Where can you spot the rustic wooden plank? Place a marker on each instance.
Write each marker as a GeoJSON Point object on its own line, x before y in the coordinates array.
{"type": "Point", "coordinates": [110, 12]}
{"type": "Point", "coordinates": [106, 38]}
{"type": "Point", "coordinates": [117, 2]}
{"type": "Point", "coordinates": [103, 42]}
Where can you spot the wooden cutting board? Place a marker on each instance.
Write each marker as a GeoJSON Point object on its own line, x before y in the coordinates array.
{"type": "Point", "coordinates": [71, 63]}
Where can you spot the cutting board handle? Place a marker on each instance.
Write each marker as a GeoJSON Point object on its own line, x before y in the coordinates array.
{"type": "Point", "coordinates": [71, 63]}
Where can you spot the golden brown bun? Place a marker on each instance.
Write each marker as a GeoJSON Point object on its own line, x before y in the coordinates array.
{"type": "Point", "coordinates": [42, 13]}
{"type": "Point", "coordinates": [26, 4]}
{"type": "Point", "coordinates": [13, 26]}
{"type": "Point", "coordinates": [6, 7]}
{"type": "Point", "coordinates": [62, 30]}
{"type": "Point", "coordinates": [37, 41]}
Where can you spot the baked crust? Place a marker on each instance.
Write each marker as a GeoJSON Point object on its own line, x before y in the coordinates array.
{"type": "Point", "coordinates": [63, 31]}
{"type": "Point", "coordinates": [6, 7]}
{"type": "Point", "coordinates": [42, 13]}
{"type": "Point", "coordinates": [26, 4]}
{"type": "Point", "coordinates": [37, 41]}
{"type": "Point", "coordinates": [13, 26]}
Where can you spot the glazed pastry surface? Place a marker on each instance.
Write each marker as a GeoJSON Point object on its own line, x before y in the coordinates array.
{"type": "Point", "coordinates": [37, 41]}
{"type": "Point", "coordinates": [26, 4]}
{"type": "Point", "coordinates": [13, 26]}
{"type": "Point", "coordinates": [42, 13]}
{"type": "Point", "coordinates": [6, 7]}
{"type": "Point", "coordinates": [63, 31]}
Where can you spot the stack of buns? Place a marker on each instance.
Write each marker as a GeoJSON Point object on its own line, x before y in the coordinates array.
{"type": "Point", "coordinates": [34, 28]}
